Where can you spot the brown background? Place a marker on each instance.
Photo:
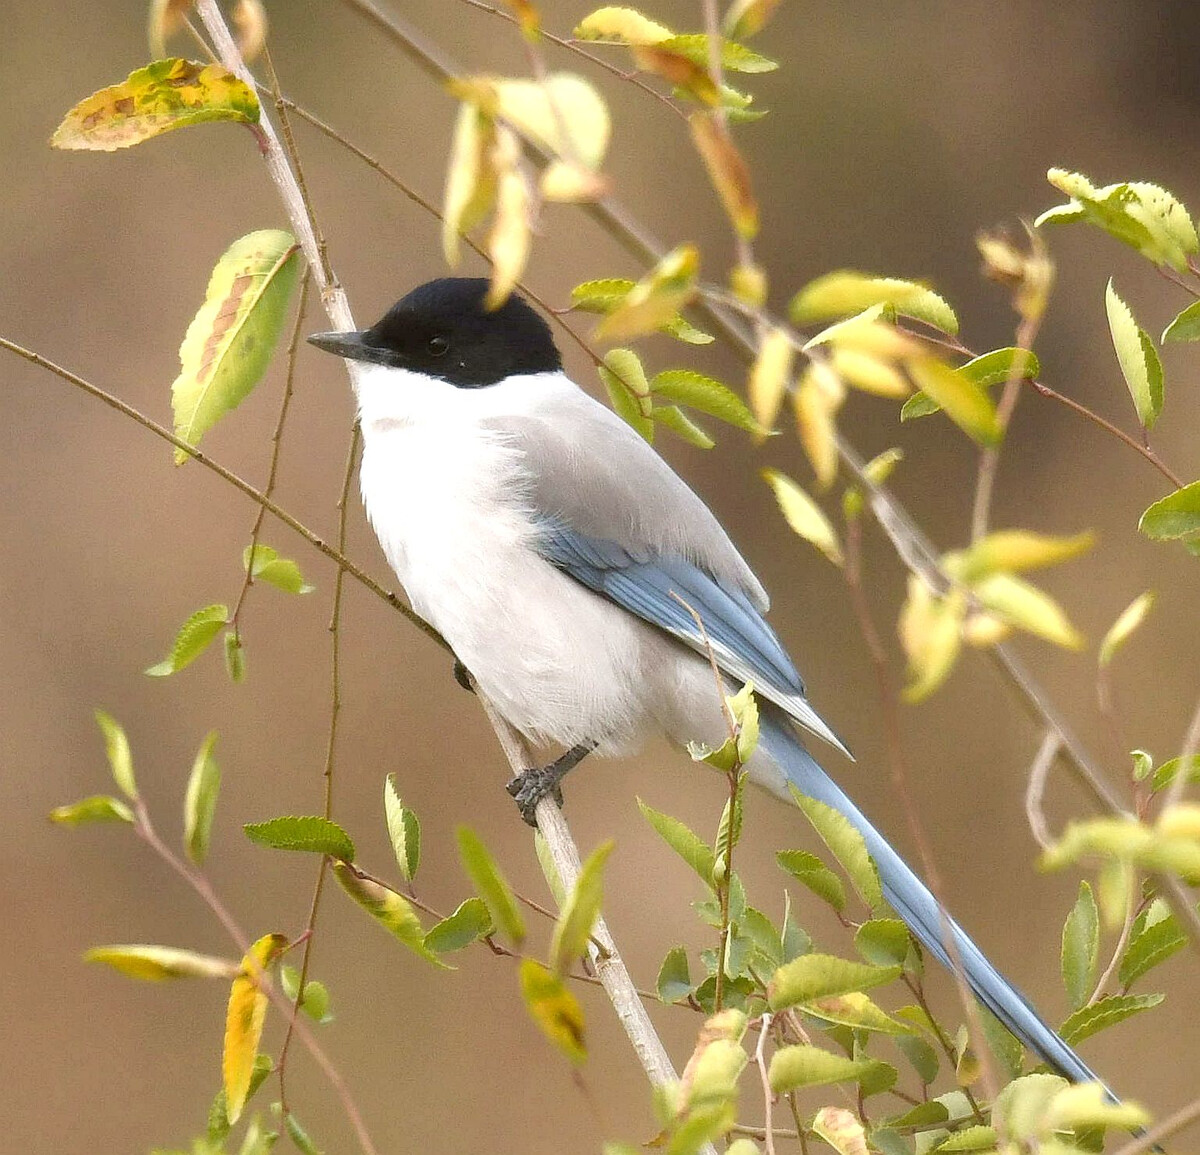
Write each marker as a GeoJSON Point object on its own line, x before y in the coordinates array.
{"type": "Point", "coordinates": [896, 132]}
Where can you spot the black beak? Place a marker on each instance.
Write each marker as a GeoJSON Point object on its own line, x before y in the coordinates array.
{"type": "Point", "coordinates": [349, 345]}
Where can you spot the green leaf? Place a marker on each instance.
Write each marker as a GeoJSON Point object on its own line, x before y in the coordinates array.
{"type": "Point", "coordinates": [159, 963]}
{"type": "Point", "coordinates": [976, 1138]}
{"type": "Point", "coordinates": [98, 808]}
{"type": "Point", "coordinates": [656, 299]}
{"type": "Point", "coordinates": [490, 884]}
{"type": "Point", "coordinates": [603, 296]}
{"type": "Point", "coordinates": [813, 873]}
{"type": "Point", "coordinates": [1081, 947]}
{"type": "Point", "coordinates": [194, 637]}
{"type": "Point", "coordinates": [674, 979]}
{"type": "Point", "coordinates": [734, 57]}
{"type": "Point", "coordinates": [554, 1008]}
{"type": "Point", "coordinates": [803, 515]}
{"type": "Point", "coordinates": [987, 370]}
{"type": "Point", "coordinates": [883, 941]}
{"type": "Point", "coordinates": [235, 657]}
{"type": "Point", "coordinates": [1141, 215]}
{"type": "Point", "coordinates": [1004, 1045]}
{"type": "Point", "coordinates": [682, 426]}
{"type": "Point", "coordinates": [200, 801]}
{"type": "Point", "coordinates": [230, 340]}
{"type": "Point", "coordinates": [1130, 618]}
{"type": "Point", "coordinates": [683, 330]}
{"type": "Point", "coordinates": [921, 1055]}
{"type": "Point", "coordinates": [218, 1119]}
{"type": "Point", "coordinates": [965, 403]}
{"type": "Point", "coordinates": [806, 1066]}
{"type": "Point", "coordinates": [706, 394]}
{"type": "Point", "coordinates": [1166, 773]}
{"type": "Point", "coordinates": [470, 922]}
{"type": "Point", "coordinates": [686, 843]}
{"type": "Point", "coordinates": [841, 293]}
{"type": "Point", "coordinates": [391, 910]}
{"type": "Point", "coordinates": [299, 1136]}
{"type": "Point", "coordinates": [628, 390]}
{"type": "Point", "coordinates": [263, 563]}
{"type": "Point", "coordinates": [308, 832]}
{"type": "Point", "coordinates": [814, 976]}
{"type": "Point", "coordinates": [315, 1002]}
{"type": "Point", "coordinates": [1138, 358]}
{"type": "Point", "coordinates": [120, 759]}
{"type": "Point", "coordinates": [1104, 1013]}
{"type": "Point", "coordinates": [404, 830]}
{"type": "Point", "coordinates": [1175, 516]}
{"type": "Point", "coordinates": [1185, 327]}
{"type": "Point", "coordinates": [857, 1011]}
{"type": "Point", "coordinates": [845, 844]}
{"type": "Point", "coordinates": [573, 928]}
{"type": "Point", "coordinates": [1151, 946]}
{"type": "Point", "coordinates": [1090, 1105]}
{"type": "Point", "coordinates": [165, 95]}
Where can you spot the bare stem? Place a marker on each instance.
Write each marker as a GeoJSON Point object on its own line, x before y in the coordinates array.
{"type": "Point", "coordinates": [1039, 771]}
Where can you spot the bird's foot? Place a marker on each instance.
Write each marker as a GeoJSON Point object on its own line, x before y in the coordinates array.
{"type": "Point", "coordinates": [463, 676]}
{"type": "Point", "coordinates": [530, 786]}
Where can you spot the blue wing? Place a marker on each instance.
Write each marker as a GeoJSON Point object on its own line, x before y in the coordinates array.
{"type": "Point", "coordinates": [664, 590]}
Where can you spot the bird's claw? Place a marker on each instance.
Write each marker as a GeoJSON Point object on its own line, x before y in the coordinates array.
{"type": "Point", "coordinates": [463, 676]}
{"type": "Point", "coordinates": [531, 786]}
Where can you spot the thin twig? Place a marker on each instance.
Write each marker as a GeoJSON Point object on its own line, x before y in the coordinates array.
{"type": "Point", "coordinates": [1036, 788]}
{"type": "Point", "coordinates": [276, 442]}
{"type": "Point", "coordinates": [768, 1094]}
{"type": "Point", "coordinates": [318, 543]}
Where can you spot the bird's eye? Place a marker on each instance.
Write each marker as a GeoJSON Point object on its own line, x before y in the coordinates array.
{"type": "Point", "coordinates": [437, 346]}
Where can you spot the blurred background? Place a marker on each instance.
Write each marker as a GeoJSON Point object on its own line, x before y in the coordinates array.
{"type": "Point", "coordinates": [895, 133]}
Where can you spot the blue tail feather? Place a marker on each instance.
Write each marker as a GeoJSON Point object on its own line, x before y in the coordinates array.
{"type": "Point", "coordinates": [915, 904]}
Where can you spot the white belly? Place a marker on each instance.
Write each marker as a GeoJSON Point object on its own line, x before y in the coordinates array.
{"type": "Point", "coordinates": [561, 664]}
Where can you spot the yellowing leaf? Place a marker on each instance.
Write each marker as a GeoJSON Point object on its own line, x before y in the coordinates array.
{"type": "Point", "coordinates": [1028, 608]}
{"type": "Point", "coordinates": [618, 25]}
{"type": "Point", "coordinates": [770, 376]}
{"type": "Point", "coordinates": [680, 69]}
{"type": "Point", "coordinates": [1138, 358]}
{"type": "Point", "coordinates": [120, 758]}
{"type": "Point", "coordinates": [628, 389]}
{"type": "Point", "coordinates": [230, 341]}
{"type": "Point", "coordinates": [746, 17]}
{"type": "Point", "coordinates": [965, 403]}
{"type": "Point", "coordinates": [573, 928]}
{"type": "Point", "coordinates": [808, 1066]}
{"type": "Point", "coordinates": [159, 963]}
{"type": "Point", "coordinates": [1018, 550]}
{"type": "Point", "coordinates": [844, 292]}
{"type": "Point", "coordinates": [727, 170]}
{"type": "Point", "coordinates": [250, 20]}
{"type": "Point", "coordinates": [817, 400]}
{"type": "Point", "coordinates": [749, 284]}
{"type": "Point", "coordinates": [868, 373]}
{"type": "Point", "coordinates": [470, 181]}
{"type": "Point", "coordinates": [931, 634]}
{"type": "Point", "coordinates": [563, 114]}
{"type": "Point", "coordinates": [244, 1022]}
{"type": "Point", "coordinates": [1130, 618]}
{"type": "Point", "coordinates": [804, 515]}
{"type": "Point", "coordinates": [165, 95]}
{"type": "Point", "coordinates": [554, 1008]}
{"type": "Point", "coordinates": [571, 183]}
{"type": "Point", "coordinates": [841, 1130]}
{"type": "Point", "coordinates": [527, 18]}
{"type": "Point", "coordinates": [1029, 273]}
{"type": "Point", "coordinates": [98, 808]}
{"type": "Point", "coordinates": [200, 801]}
{"type": "Point", "coordinates": [512, 229]}
{"type": "Point", "coordinates": [869, 332]}
{"type": "Point", "coordinates": [490, 884]}
{"type": "Point", "coordinates": [656, 298]}
{"type": "Point", "coordinates": [854, 1009]}
{"type": "Point", "coordinates": [734, 57]}
{"type": "Point", "coordinates": [391, 910]}
{"type": "Point", "coordinates": [404, 829]}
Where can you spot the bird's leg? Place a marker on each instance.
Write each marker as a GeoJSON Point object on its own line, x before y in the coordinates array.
{"type": "Point", "coordinates": [531, 786]}
{"type": "Point", "coordinates": [463, 676]}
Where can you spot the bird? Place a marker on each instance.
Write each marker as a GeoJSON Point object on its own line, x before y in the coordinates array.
{"type": "Point", "coordinates": [562, 558]}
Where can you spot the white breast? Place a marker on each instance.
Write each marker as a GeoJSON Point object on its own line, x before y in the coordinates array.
{"type": "Point", "coordinates": [447, 500]}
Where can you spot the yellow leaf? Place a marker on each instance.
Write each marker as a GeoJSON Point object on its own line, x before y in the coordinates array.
{"type": "Point", "coordinates": [871, 333]}
{"type": "Point", "coordinates": [770, 376]}
{"type": "Point", "coordinates": [230, 341]}
{"type": "Point", "coordinates": [527, 18]}
{"type": "Point", "coordinates": [846, 291]}
{"type": "Point", "coordinates": [1131, 617]}
{"type": "Point", "coordinates": [931, 634]}
{"type": "Point", "coordinates": [250, 20]}
{"type": "Point", "coordinates": [656, 298]}
{"type": "Point", "coordinates": [165, 95]}
{"type": "Point", "coordinates": [571, 183]}
{"type": "Point", "coordinates": [618, 25]}
{"type": "Point", "coordinates": [712, 1071]}
{"type": "Point", "coordinates": [1028, 608]}
{"type": "Point", "coordinates": [470, 182]}
{"type": "Point", "coordinates": [511, 234]}
{"type": "Point", "coordinates": [804, 515]}
{"type": "Point", "coordinates": [841, 1130]}
{"type": "Point", "coordinates": [983, 630]}
{"type": "Point", "coordinates": [1029, 273]}
{"type": "Point", "coordinates": [1018, 550]}
{"type": "Point", "coordinates": [746, 17]}
{"type": "Point", "coordinates": [554, 1008]}
{"type": "Point", "coordinates": [166, 17]}
{"type": "Point", "coordinates": [869, 373]}
{"type": "Point", "coordinates": [564, 114]}
{"type": "Point", "coordinates": [965, 403]}
{"type": "Point", "coordinates": [159, 963]}
{"type": "Point", "coordinates": [749, 284]}
{"type": "Point", "coordinates": [244, 1022]}
{"type": "Point", "coordinates": [818, 398]}
{"type": "Point", "coordinates": [727, 170]}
